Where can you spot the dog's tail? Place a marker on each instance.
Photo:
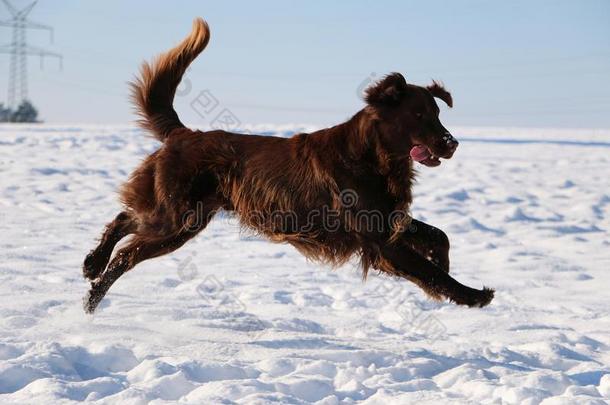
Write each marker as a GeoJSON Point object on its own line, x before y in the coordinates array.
{"type": "Point", "coordinates": [153, 91]}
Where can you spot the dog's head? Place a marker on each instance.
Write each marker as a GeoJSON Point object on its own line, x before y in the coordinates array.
{"type": "Point", "coordinates": [407, 116]}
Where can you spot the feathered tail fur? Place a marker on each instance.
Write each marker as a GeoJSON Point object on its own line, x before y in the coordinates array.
{"type": "Point", "coordinates": [153, 91]}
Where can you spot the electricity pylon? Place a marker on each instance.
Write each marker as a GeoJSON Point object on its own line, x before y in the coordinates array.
{"type": "Point", "coordinates": [19, 51]}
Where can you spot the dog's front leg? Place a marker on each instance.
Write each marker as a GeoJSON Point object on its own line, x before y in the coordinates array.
{"type": "Point", "coordinates": [429, 241]}
{"type": "Point", "coordinates": [403, 261]}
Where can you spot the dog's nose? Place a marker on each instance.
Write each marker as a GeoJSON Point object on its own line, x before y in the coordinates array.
{"type": "Point", "coordinates": [451, 141]}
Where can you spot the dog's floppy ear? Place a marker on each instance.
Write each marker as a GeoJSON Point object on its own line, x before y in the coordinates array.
{"type": "Point", "coordinates": [438, 91]}
{"type": "Point", "coordinates": [387, 91]}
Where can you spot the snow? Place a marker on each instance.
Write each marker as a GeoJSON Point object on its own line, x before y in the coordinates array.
{"type": "Point", "coordinates": [230, 318]}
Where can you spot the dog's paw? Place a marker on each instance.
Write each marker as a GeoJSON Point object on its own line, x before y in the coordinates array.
{"type": "Point", "coordinates": [90, 269]}
{"type": "Point", "coordinates": [90, 301]}
{"type": "Point", "coordinates": [475, 298]}
{"type": "Point", "coordinates": [484, 298]}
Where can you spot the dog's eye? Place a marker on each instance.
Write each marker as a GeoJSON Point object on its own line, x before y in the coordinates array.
{"type": "Point", "coordinates": [419, 115]}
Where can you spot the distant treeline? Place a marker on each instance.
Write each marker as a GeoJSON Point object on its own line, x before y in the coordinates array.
{"type": "Point", "coordinates": [26, 112]}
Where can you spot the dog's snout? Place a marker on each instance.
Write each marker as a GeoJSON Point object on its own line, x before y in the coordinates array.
{"type": "Point", "coordinates": [454, 144]}
{"type": "Point", "coordinates": [450, 140]}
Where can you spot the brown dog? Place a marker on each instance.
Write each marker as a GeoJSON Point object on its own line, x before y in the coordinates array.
{"type": "Point", "coordinates": [332, 194]}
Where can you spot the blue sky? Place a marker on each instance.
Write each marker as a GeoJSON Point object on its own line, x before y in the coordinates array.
{"type": "Point", "coordinates": [510, 63]}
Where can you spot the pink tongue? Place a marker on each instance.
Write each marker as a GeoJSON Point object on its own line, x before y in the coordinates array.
{"type": "Point", "coordinates": [419, 153]}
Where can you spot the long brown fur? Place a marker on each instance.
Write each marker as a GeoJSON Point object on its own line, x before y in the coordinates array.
{"type": "Point", "coordinates": [288, 190]}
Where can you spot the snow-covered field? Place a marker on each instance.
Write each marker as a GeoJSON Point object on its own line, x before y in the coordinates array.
{"type": "Point", "coordinates": [231, 319]}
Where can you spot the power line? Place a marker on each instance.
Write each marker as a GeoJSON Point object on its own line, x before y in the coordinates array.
{"type": "Point", "coordinates": [19, 51]}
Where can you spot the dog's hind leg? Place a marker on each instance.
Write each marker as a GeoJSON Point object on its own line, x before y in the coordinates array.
{"type": "Point", "coordinates": [140, 248]}
{"type": "Point", "coordinates": [137, 250]}
{"type": "Point", "coordinates": [430, 242]}
{"type": "Point", "coordinates": [98, 258]}
{"type": "Point", "coordinates": [401, 260]}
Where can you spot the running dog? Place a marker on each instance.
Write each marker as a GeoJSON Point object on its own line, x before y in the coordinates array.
{"type": "Point", "coordinates": [333, 194]}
